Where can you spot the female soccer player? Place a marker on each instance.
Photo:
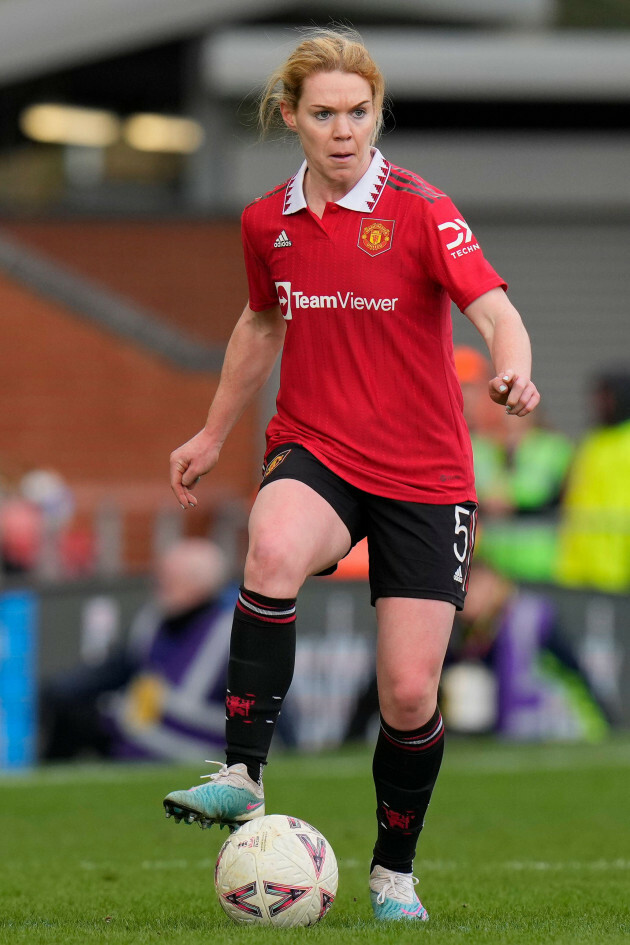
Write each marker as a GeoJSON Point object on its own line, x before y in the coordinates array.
{"type": "Point", "coordinates": [352, 265]}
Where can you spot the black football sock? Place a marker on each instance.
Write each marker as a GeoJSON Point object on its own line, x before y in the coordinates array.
{"type": "Point", "coordinates": [405, 769]}
{"type": "Point", "coordinates": [260, 670]}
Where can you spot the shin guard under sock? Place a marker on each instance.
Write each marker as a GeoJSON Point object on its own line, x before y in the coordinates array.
{"type": "Point", "coordinates": [260, 670]}
{"type": "Point", "coordinates": [405, 769]}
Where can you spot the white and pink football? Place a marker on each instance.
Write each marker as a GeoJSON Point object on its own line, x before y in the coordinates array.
{"type": "Point", "coordinates": [276, 870]}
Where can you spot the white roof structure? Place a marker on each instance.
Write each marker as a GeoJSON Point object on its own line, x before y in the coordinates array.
{"type": "Point", "coordinates": [433, 63]}
{"type": "Point", "coordinates": [39, 36]}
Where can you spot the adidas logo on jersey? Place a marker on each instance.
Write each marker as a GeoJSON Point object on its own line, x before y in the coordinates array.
{"type": "Point", "coordinates": [458, 576]}
{"type": "Point", "coordinates": [282, 240]}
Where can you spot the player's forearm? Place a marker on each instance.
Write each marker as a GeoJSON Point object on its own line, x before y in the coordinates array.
{"type": "Point", "coordinates": [509, 346]}
{"type": "Point", "coordinates": [508, 343]}
{"type": "Point", "coordinates": [501, 326]}
{"type": "Point", "coordinates": [249, 359]}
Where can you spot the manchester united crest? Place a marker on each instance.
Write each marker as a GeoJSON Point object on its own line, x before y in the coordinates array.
{"type": "Point", "coordinates": [375, 236]}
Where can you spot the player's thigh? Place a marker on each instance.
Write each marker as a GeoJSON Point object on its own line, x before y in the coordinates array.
{"type": "Point", "coordinates": [293, 532]}
{"type": "Point", "coordinates": [413, 635]}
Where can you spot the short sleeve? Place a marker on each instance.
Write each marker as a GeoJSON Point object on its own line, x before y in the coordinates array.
{"type": "Point", "coordinates": [454, 256]}
{"type": "Point", "coordinates": [262, 290]}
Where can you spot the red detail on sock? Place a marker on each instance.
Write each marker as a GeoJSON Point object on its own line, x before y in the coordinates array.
{"type": "Point", "coordinates": [397, 820]}
{"type": "Point", "coordinates": [238, 706]}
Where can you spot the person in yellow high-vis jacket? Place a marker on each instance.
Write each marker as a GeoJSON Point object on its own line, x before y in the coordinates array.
{"type": "Point", "coordinates": [595, 535]}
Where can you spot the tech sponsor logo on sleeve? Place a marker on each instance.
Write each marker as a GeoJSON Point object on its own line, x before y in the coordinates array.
{"type": "Point", "coordinates": [463, 242]}
{"type": "Point", "coordinates": [291, 300]}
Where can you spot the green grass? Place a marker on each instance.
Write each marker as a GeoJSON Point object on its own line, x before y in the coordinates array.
{"type": "Point", "coordinates": [522, 845]}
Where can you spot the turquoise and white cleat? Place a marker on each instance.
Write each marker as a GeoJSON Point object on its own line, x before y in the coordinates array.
{"type": "Point", "coordinates": [393, 896]}
{"type": "Point", "coordinates": [230, 797]}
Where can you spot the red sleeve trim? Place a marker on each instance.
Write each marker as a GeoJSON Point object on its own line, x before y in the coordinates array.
{"type": "Point", "coordinates": [478, 291]}
{"type": "Point", "coordinates": [262, 306]}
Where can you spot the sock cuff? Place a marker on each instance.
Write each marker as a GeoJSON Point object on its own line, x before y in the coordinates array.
{"type": "Point", "coordinates": [421, 738]}
{"type": "Point", "coordinates": [266, 609]}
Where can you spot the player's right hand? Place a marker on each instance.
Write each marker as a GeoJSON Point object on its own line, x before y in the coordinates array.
{"type": "Point", "coordinates": [188, 463]}
{"type": "Point", "coordinates": [517, 393]}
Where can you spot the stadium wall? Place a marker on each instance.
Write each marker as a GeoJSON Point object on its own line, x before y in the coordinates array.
{"type": "Point", "coordinates": [190, 272]}
{"type": "Point", "coordinates": [105, 415]}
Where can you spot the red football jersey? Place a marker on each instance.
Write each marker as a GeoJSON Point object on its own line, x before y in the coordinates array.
{"type": "Point", "coordinates": [368, 380]}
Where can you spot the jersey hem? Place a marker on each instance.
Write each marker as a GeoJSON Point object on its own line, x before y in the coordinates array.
{"type": "Point", "coordinates": [410, 494]}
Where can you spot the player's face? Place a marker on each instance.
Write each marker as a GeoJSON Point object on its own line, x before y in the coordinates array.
{"type": "Point", "coordinates": [334, 120]}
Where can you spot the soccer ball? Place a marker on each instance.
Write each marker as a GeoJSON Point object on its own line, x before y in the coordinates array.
{"type": "Point", "coordinates": [276, 870]}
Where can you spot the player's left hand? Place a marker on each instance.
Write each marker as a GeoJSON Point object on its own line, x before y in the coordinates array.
{"type": "Point", "coordinates": [519, 394]}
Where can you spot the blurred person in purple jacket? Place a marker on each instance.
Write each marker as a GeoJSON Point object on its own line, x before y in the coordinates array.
{"type": "Point", "coordinates": [161, 695]}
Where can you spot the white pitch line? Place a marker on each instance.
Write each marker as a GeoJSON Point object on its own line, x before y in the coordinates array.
{"type": "Point", "coordinates": [534, 866]}
{"type": "Point", "coordinates": [108, 773]}
{"type": "Point", "coordinates": [589, 758]}
{"type": "Point", "coordinates": [597, 866]}
{"type": "Point", "coordinates": [487, 760]}
{"type": "Point", "coordinates": [427, 866]}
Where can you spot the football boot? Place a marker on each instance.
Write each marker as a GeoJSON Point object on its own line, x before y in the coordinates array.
{"type": "Point", "coordinates": [394, 897]}
{"type": "Point", "coordinates": [229, 797]}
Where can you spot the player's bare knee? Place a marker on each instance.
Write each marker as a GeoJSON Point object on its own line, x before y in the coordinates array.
{"type": "Point", "coordinates": [409, 703]}
{"type": "Point", "coordinates": [272, 568]}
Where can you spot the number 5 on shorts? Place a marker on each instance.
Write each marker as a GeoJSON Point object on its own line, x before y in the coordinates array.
{"type": "Point", "coordinates": [461, 528]}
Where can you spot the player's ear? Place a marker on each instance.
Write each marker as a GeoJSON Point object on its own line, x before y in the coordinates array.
{"type": "Point", "coordinates": [288, 116]}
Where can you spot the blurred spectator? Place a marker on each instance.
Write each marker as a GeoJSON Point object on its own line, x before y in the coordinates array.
{"type": "Point", "coordinates": [65, 551]}
{"type": "Point", "coordinates": [161, 696]}
{"type": "Point", "coordinates": [76, 551]}
{"type": "Point", "coordinates": [595, 534]}
{"type": "Point", "coordinates": [21, 535]}
{"type": "Point", "coordinates": [34, 520]}
{"type": "Point", "coordinates": [46, 489]}
{"type": "Point", "coordinates": [510, 668]}
{"type": "Point", "coordinates": [474, 372]}
{"type": "Point", "coordinates": [520, 470]}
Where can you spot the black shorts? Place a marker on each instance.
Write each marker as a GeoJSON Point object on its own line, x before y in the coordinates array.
{"type": "Point", "coordinates": [416, 549]}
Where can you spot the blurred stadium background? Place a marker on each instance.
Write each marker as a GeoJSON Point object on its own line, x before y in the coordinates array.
{"type": "Point", "coordinates": [128, 148]}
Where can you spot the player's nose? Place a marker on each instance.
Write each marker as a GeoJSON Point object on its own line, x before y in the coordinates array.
{"type": "Point", "coordinates": [342, 127]}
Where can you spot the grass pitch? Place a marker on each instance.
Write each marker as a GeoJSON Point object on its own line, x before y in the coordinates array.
{"type": "Point", "coordinates": [526, 844]}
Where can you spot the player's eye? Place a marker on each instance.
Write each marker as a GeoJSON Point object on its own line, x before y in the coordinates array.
{"type": "Point", "coordinates": [323, 115]}
{"type": "Point", "coordinates": [359, 112]}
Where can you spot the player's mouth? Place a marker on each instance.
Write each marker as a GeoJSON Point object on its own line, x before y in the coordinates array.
{"type": "Point", "coordinates": [342, 157]}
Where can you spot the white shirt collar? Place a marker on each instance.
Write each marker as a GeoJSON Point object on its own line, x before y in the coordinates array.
{"type": "Point", "coordinates": [363, 197]}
